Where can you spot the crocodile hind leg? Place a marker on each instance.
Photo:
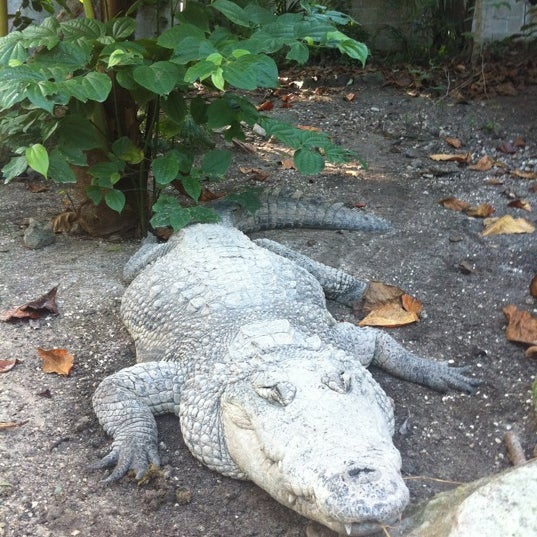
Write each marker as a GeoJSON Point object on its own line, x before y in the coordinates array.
{"type": "Point", "coordinates": [372, 346]}
{"type": "Point", "coordinates": [337, 285]}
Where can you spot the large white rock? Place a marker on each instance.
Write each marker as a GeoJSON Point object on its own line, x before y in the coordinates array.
{"type": "Point", "coordinates": [503, 505]}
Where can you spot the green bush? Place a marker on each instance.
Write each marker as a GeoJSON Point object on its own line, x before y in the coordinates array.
{"type": "Point", "coordinates": [66, 87]}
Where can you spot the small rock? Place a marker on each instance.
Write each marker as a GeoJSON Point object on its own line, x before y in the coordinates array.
{"type": "Point", "coordinates": [38, 235]}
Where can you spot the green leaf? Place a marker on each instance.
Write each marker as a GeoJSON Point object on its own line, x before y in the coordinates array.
{"type": "Point", "coordinates": [92, 86]}
{"type": "Point", "coordinates": [298, 53]}
{"type": "Point", "coordinates": [168, 212]}
{"type": "Point", "coordinates": [15, 167]}
{"type": "Point", "coordinates": [166, 168]}
{"type": "Point", "coordinates": [217, 78]}
{"type": "Point", "coordinates": [173, 37]}
{"type": "Point", "coordinates": [248, 199]}
{"type": "Point", "coordinates": [122, 27]}
{"type": "Point", "coordinates": [307, 161]}
{"type": "Point", "coordinates": [216, 162]}
{"type": "Point", "coordinates": [200, 70]}
{"type": "Point", "coordinates": [38, 93]}
{"type": "Point", "coordinates": [76, 28]}
{"type": "Point", "coordinates": [76, 131]}
{"type": "Point", "coordinates": [12, 49]}
{"type": "Point", "coordinates": [233, 12]}
{"type": "Point", "coordinates": [220, 113]}
{"type": "Point", "coordinates": [106, 173]}
{"type": "Point", "coordinates": [37, 157]}
{"type": "Point", "coordinates": [159, 77]}
{"type": "Point", "coordinates": [259, 15]}
{"type": "Point", "coordinates": [252, 71]}
{"type": "Point", "coordinates": [174, 105]}
{"type": "Point", "coordinates": [350, 47]}
{"type": "Point", "coordinates": [115, 199]}
{"type": "Point", "coordinates": [284, 132]}
{"type": "Point", "coordinates": [95, 194]}
{"type": "Point", "coordinates": [125, 149]}
{"type": "Point", "coordinates": [192, 187]}
{"type": "Point", "coordinates": [59, 169]}
{"type": "Point", "coordinates": [198, 110]}
{"type": "Point", "coordinates": [202, 214]}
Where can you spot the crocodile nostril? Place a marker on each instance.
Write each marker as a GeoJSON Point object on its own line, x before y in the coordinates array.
{"type": "Point", "coordinates": [357, 471]}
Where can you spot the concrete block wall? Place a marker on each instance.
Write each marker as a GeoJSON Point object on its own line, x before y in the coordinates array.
{"type": "Point", "coordinates": [502, 19]}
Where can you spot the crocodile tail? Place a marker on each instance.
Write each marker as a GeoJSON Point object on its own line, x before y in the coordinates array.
{"type": "Point", "coordinates": [282, 208]}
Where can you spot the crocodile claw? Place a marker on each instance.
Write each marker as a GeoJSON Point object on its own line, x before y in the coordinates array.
{"type": "Point", "coordinates": [453, 378]}
{"type": "Point", "coordinates": [126, 456]}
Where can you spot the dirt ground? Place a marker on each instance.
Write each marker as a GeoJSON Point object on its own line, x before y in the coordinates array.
{"type": "Point", "coordinates": [435, 254]}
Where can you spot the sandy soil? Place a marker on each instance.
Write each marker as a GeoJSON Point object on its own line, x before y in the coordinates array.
{"type": "Point", "coordinates": [45, 488]}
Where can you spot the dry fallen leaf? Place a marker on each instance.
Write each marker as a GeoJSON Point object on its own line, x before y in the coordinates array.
{"type": "Point", "coordinates": [36, 188]}
{"type": "Point", "coordinates": [481, 211]}
{"type": "Point", "coordinates": [454, 204]}
{"type": "Point", "coordinates": [520, 204]}
{"type": "Point", "coordinates": [58, 361]}
{"type": "Point", "coordinates": [524, 175]}
{"type": "Point", "coordinates": [411, 304]}
{"type": "Point", "coordinates": [507, 147]}
{"type": "Point", "coordinates": [531, 352]}
{"type": "Point", "coordinates": [451, 157]}
{"type": "Point", "coordinates": [209, 195]}
{"type": "Point", "coordinates": [484, 164]}
{"type": "Point", "coordinates": [388, 306]}
{"type": "Point", "coordinates": [349, 97]}
{"type": "Point", "coordinates": [35, 309]}
{"type": "Point", "coordinates": [265, 106]}
{"type": "Point", "coordinates": [519, 142]}
{"type": "Point", "coordinates": [506, 225]}
{"type": "Point", "coordinates": [377, 294]}
{"type": "Point", "coordinates": [390, 315]}
{"type": "Point", "coordinates": [7, 365]}
{"type": "Point", "coordinates": [308, 128]}
{"type": "Point", "coordinates": [288, 164]}
{"type": "Point", "coordinates": [453, 142]}
{"type": "Point", "coordinates": [521, 325]}
{"type": "Point", "coordinates": [258, 174]}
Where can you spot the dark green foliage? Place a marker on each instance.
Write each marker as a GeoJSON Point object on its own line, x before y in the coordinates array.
{"type": "Point", "coordinates": [61, 85]}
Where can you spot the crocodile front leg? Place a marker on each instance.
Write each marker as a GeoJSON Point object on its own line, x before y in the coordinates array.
{"type": "Point", "coordinates": [125, 404]}
{"type": "Point", "coordinates": [372, 346]}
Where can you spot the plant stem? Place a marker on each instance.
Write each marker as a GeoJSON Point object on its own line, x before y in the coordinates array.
{"type": "Point", "coordinates": [3, 18]}
{"type": "Point", "coordinates": [88, 9]}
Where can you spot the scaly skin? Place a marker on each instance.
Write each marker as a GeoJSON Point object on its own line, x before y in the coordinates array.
{"type": "Point", "coordinates": [235, 339]}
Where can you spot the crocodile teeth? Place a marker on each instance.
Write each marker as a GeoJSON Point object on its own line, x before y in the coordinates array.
{"type": "Point", "coordinates": [348, 528]}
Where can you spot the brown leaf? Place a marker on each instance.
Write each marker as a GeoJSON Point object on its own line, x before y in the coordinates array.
{"type": "Point", "coordinates": [506, 88]}
{"type": "Point", "coordinates": [349, 97]}
{"type": "Point", "coordinates": [35, 309]}
{"type": "Point", "coordinates": [6, 365]}
{"type": "Point", "coordinates": [163, 233]}
{"type": "Point", "coordinates": [265, 106]}
{"type": "Point", "coordinates": [288, 164]}
{"type": "Point", "coordinates": [308, 128]}
{"type": "Point", "coordinates": [524, 175]}
{"type": "Point", "coordinates": [209, 195]}
{"type": "Point", "coordinates": [389, 315]}
{"type": "Point", "coordinates": [65, 222]}
{"type": "Point", "coordinates": [258, 174]}
{"type": "Point", "coordinates": [451, 157]}
{"type": "Point", "coordinates": [36, 188]}
{"type": "Point", "coordinates": [506, 225]}
{"type": "Point", "coordinates": [533, 287]}
{"type": "Point", "coordinates": [411, 304]}
{"type": "Point", "coordinates": [521, 325]}
{"type": "Point", "coordinates": [531, 352]}
{"type": "Point", "coordinates": [454, 204]}
{"type": "Point", "coordinates": [507, 147]}
{"type": "Point", "coordinates": [481, 211]}
{"type": "Point", "coordinates": [484, 164]}
{"type": "Point", "coordinates": [520, 204]}
{"type": "Point", "coordinates": [377, 294]}
{"type": "Point", "coordinates": [58, 361]}
{"type": "Point", "coordinates": [453, 142]}
{"type": "Point", "coordinates": [519, 142]}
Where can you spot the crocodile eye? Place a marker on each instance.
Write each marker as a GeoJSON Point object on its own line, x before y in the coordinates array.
{"type": "Point", "coordinates": [339, 382]}
{"type": "Point", "coordinates": [281, 393]}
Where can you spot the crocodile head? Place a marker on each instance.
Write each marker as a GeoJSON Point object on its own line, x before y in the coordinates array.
{"type": "Point", "coordinates": [315, 432]}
